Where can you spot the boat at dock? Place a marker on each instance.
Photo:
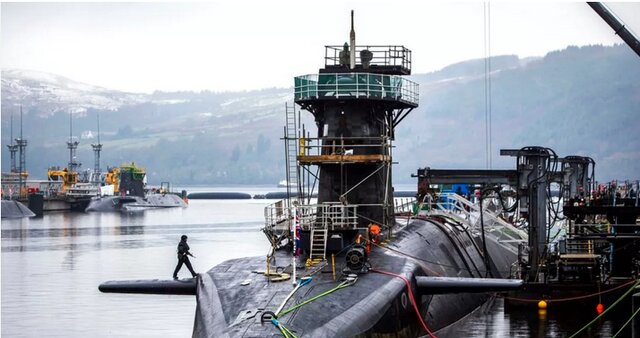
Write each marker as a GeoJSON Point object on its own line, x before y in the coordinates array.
{"type": "Point", "coordinates": [70, 190]}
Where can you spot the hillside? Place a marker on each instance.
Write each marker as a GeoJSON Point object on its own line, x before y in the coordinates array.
{"type": "Point", "coordinates": [578, 101]}
{"type": "Point", "coordinates": [582, 101]}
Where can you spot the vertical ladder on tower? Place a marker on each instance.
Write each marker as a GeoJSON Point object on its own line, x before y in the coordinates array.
{"type": "Point", "coordinates": [291, 146]}
{"type": "Point", "coordinates": [318, 243]}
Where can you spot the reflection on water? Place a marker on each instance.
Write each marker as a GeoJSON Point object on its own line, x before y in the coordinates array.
{"type": "Point", "coordinates": [51, 267]}
{"type": "Point", "coordinates": [493, 320]}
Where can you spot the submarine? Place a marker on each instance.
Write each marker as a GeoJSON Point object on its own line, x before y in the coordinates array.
{"type": "Point", "coordinates": [351, 262]}
{"type": "Point", "coordinates": [15, 209]}
{"type": "Point", "coordinates": [131, 182]}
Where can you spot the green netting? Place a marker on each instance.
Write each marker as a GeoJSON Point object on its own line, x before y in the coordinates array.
{"type": "Point", "coordinates": [388, 87]}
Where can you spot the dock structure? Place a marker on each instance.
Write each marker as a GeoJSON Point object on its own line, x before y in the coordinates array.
{"type": "Point", "coordinates": [599, 250]}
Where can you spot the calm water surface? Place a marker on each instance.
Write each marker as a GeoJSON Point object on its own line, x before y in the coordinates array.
{"type": "Point", "coordinates": [52, 266]}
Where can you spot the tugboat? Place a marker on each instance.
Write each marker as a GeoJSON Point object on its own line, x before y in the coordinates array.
{"type": "Point", "coordinates": [65, 188]}
{"type": "Point", "coordinates": [68, 189]}
{"type": "Point", "coordinates": [350, 264]}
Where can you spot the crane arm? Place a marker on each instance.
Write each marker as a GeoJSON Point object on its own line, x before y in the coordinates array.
{"type": "Point", "coordinates": [617, 25]}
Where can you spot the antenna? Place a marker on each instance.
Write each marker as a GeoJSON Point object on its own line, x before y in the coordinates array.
{"type": "Point", "coordinates": [11, 139]}
{"type": "Point", "coordinates": [352, 40]}
{"type": "Point", "coordinates": [72, 145]}
{"type": "Point", "coordinates": [20, 142]}
{"type": "Point", "coordinates": [98, 127]}
{"type": "Point", "coordinates": [97, 147]}
{"type": "Point", "coordinates": [13, 148]}
{"type": "Point", "coordinates": [20, 121]}
{"type": "Point", "coordinates": [22, 145]}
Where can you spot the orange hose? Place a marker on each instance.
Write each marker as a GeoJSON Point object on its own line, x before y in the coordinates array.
{"type": "Point", "coordinates": [413, 300]}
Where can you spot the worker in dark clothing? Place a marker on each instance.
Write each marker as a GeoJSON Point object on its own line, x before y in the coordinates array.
{"type": "Point", "coordinates": [183, 257]}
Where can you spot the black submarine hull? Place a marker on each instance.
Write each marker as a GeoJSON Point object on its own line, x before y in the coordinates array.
{"type": "Point", "coordinates": [15, 209]}
{"type": "Point", "coordinates": [133, 203]}
{"type": "Point", "coordinates": [233, 296]}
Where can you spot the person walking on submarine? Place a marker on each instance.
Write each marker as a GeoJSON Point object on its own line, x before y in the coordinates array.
{"type": "Point", "coordinates": [183, 257]}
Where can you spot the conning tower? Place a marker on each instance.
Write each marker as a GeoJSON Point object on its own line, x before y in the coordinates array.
{"type": "Point", "coordinates": [357, 99]}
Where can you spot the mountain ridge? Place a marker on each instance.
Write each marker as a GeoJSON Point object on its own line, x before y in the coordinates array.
{"type": "Point", "coordinates": [232, 137]}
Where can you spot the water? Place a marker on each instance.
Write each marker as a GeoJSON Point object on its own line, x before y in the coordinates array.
{"type": "Point", "coordinates": [52, 266]}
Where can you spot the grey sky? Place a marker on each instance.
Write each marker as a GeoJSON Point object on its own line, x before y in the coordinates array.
{"type": "Point", "coordinates": [235, 45]}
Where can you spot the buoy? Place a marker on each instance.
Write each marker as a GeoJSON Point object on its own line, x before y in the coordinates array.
{"type": "Point", "coordinates": [599, 308]}
{"type": "Point", "coordinates": [542, 314]}
{"type": "Point", "coordinates": [542, 305]}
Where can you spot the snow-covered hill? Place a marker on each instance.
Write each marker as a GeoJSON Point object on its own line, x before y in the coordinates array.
{"type": "Point", "coordinates": [50, 93]}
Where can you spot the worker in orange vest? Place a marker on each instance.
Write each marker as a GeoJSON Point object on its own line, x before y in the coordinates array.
{"type": "Point", "coordinates": [374, 235]}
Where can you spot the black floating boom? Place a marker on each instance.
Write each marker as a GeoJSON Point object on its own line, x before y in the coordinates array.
{"type": "Point", "coordinates": [441, 285]}
{"type": "Point", "coordinates": [151, 286]}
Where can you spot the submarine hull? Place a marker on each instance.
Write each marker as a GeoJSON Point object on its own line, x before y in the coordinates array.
{"type": "Point", "coordinates": [15, 209]}
{"type": "Point", "coordinates": [233, 296]}
{"type": "Point", "coordinates": [132, 203]}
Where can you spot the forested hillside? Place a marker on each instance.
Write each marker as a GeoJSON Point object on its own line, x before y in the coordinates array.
{"type": "Point", "coordinates": [578, 101]}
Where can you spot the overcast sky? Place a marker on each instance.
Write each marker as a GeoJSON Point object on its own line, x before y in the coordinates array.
{"type": "Point", "coordinates": [236, 45]}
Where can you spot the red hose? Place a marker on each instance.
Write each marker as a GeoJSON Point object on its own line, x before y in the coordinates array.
{"type": "Point", "coordinates": [413, 300]}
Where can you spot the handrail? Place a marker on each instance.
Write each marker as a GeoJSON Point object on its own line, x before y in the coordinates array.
{"type": "Point", "coordinates": [328, 215]}
{"type": "Point", "coordinates": [381, 55]}
{"type": "Point", "coordinates": [356, 85]}
{"type": "Point", "coordinates": [342, 145]}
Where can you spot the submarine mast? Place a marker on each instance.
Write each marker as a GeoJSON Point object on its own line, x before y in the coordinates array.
{"type": "Point", "coordinates": [357, 100]}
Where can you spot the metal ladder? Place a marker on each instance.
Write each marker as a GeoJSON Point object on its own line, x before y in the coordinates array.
{"type": "Point", "coordinates": [291, 144]}
{"type": "Point", "coordinates": [318, 243]}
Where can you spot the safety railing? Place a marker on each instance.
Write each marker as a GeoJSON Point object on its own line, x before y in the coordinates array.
{"type": "Point", "coordinates": [356, 85]}
{"type": "Point", "coordinates": [574, 246]}
{"type": "Point", "coordinates": [330, 216]}
{"type": "Point", "coordinates": [405, 204]}
{"type": "Point", "coordinates": [310, 146]}
{"type": "Point", "coordinates": [336, 216]}
{"type": "Point", "coordinates": [398, 56]}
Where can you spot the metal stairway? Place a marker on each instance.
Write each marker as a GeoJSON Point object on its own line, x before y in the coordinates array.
{"type": "Point", "coordinates": [318, 244]}
{"type": "Point", "coordinates": [291, 145]}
